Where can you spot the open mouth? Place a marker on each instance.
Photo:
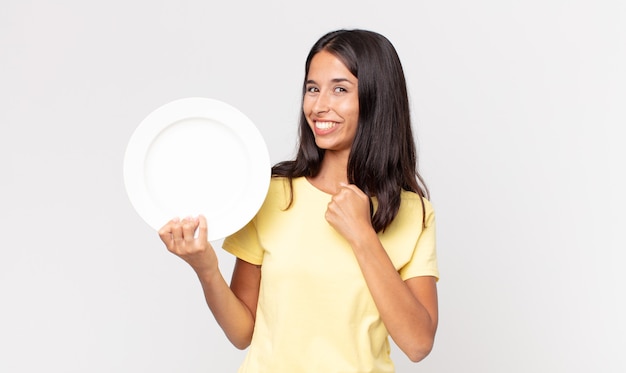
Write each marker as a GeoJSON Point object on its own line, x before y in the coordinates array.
{"type": "Point", "coordinates": [325, 125]}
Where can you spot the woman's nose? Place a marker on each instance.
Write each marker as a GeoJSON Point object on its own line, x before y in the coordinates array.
{"type": "Point", "coordinates": [322, 104]}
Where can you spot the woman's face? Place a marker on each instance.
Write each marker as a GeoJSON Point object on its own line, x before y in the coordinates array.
{"type": "Point", "coordinates": [331, 103]}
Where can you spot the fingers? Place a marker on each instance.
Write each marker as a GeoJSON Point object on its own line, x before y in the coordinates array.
{"type": "Point", "coordinates": [351, 188]}
{"type": "Point", "coordinates": [166, 233]}
{"type": "Point", "coordinates": [348, 194]}
{"type": "Point", "coordinates": [188, 228]}
{"type": "Point", "coordinates": [177, 231]}
{"type": "Point", "coordinates": [202, 228]}
{"type": "Point", "coordinates": [187, 239]}
{"type": "Point", "coordinates": [347, 204]}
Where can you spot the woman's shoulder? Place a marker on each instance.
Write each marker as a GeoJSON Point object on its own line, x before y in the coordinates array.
{"type": "Point", "coordinates": [279, 183]}
{"type": "Point", "coordinates": [413, 202]}
{"type": "Point", "coordinates": [279, 191]}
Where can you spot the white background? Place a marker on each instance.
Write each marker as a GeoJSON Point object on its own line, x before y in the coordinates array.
{"type": "Point", "coordinates": [519, 109]}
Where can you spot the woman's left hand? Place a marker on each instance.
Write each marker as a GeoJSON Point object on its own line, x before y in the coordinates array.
{"type": "Point", "coordinates": [349, 212]}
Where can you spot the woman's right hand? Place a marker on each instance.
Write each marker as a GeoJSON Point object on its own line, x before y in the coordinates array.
{"type": "Point", "coordinates": [234, 309]}
{"type": "Point", "coordinates": [179, 236]}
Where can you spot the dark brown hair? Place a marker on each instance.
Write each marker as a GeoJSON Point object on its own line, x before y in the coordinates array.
{"type": "Point", "coordinates": [383, 158]}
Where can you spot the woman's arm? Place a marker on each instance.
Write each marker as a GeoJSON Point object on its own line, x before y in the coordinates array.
{"type": "Point", "coordinates": [234, 307]}
{"type": "Point", "coordinates": [408, 308]}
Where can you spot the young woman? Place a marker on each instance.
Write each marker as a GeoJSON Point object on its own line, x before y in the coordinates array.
{"type": "Point", "coordinates": [342, 253]}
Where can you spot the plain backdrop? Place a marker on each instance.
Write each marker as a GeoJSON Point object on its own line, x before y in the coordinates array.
{"type": "Point", "coordinates": [519, 113]}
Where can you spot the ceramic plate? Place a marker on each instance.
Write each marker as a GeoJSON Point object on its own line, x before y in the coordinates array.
{"type": "Point", "coordinates": [197, 156]}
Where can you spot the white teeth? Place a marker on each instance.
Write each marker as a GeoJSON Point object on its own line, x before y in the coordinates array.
{"type": "Point", "coordinates": [324, 125]}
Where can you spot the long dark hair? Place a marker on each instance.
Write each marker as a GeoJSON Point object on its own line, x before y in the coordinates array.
{"type": "Point", "coordinates": [383, 159]}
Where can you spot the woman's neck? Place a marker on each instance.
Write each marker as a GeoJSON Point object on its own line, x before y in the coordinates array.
{"type": "Point", "coordinates": [333, 172]}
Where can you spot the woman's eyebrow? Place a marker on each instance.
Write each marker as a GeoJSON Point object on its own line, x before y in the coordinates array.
{"type": "Point", "coordinates": [335, 80]}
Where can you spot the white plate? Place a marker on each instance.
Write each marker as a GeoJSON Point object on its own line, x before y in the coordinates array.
{"type": "Point", "coordinates": [197, 156]}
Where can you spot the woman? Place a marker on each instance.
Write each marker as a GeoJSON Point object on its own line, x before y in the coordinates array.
{"type": "Point", "coordinates": [342, 253]}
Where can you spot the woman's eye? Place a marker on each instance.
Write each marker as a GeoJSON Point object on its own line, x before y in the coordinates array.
{"type": "Point", "coordinates": [312, 89]}
{"type": "Point", "coordinates": [340, 90]}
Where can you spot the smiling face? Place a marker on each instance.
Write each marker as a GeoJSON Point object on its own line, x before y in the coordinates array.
{"type": "Point", "coordinates": [331, 103]}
